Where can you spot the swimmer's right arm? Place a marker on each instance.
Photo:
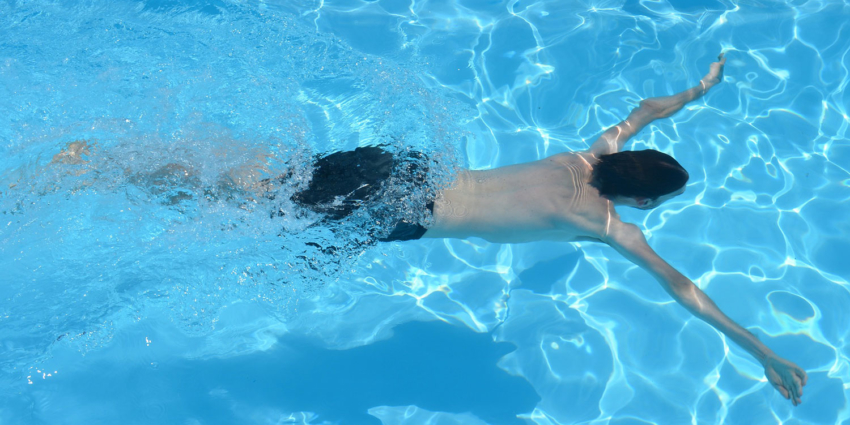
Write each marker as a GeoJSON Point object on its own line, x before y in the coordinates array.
{"type": "Point", "coordinates": [785, 376]}
{"type": "Point", "coordinates": [613, 139]}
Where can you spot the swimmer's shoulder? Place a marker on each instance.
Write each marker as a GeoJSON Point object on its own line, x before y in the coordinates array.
{"type": "Point", "coordinates": [585, 213]}
{"type": "Point", "coordinates": [582, 158]}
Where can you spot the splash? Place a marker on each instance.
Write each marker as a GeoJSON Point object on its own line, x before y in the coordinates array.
{"type": "Point", "coordinates": [148, 176]}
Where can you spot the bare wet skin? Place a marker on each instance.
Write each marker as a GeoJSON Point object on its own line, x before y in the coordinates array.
{"type": "Point", "coordinates": [74, 153]}
{"type": "Point", "coordinates": [524, 203]}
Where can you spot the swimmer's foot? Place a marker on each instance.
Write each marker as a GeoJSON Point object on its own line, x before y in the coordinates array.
{"type": "Point", "coordinates": [73, 154]}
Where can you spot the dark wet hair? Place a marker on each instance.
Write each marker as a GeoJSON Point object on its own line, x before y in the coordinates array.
{"type": "Point", "coordinates": [636, 174]}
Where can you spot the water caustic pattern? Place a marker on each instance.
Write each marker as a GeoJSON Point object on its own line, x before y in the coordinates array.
{"type": "Point", "coordinates": [123, 137]}
{"type": "Point", "coordinates": [146, 281]}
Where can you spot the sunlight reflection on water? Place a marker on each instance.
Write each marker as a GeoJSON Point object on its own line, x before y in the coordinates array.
{"type": "Point", "coordinates": [95, 256]}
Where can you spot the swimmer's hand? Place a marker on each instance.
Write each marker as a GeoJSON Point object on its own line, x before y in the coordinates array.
{"type": "Point", "coordinates": [786, 377]}
{"type": "Point", "coordinates": [715, 74]}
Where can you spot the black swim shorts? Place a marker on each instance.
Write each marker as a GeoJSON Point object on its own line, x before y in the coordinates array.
{"type": "Point", "coordinates": [344, 181]}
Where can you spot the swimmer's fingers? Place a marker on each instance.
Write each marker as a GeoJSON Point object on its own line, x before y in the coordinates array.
{"type": "Point", "coordinates": [803, 375]}
{"type": "Point", "coordinates": [786, 389]}
{"type": "Point", "coordinates": [715, 74]}
{"type": "Point", "coordinates": [798, 388]}
{"type": "Point", "coordinates": [782, 391]}
{"type": "Point", "coordinates": [799, 378]}
{"type": "Point", "coordinates": [787, 378]}
{"type": "Point", "coordinates": [794, 388]}
{"type": "Point", "coordinates": [718, 66]}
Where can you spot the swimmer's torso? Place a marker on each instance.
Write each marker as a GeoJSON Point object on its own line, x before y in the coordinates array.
{"type": "Point", "coordinates": [549, 199]}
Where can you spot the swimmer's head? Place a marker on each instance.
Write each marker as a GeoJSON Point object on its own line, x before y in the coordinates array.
{"type": "Point", "coordinates": [648, 178]}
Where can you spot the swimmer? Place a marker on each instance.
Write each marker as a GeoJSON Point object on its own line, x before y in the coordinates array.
{"type": "Point", "coordinates": [566, 197]}
{"type": "Point", "coordinates": [571, 197]}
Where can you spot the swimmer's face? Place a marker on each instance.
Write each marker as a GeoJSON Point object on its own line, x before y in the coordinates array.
{"type": "Point", "coordinates": [648, 204]}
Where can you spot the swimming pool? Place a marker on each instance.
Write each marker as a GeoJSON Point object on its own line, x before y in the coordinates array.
{"type": "Point", "coordinates": [144, 282]}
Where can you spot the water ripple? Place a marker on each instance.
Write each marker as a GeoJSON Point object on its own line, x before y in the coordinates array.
{"type": "Point", "coordinates": [761, 227]}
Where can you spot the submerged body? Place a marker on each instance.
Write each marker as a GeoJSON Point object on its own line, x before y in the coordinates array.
{"type": "Point", "coordinates": [558, 198]}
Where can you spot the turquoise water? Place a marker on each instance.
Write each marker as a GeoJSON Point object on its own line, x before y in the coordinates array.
{"type": "Point", "coordinates": [145, 282]}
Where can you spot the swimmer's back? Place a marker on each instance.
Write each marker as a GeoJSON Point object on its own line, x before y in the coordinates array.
{"type": "Point", "coordinates": [549, 199]}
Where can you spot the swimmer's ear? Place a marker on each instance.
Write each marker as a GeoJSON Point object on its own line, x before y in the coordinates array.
{"type": "Point", "coordinates": [643, 202]}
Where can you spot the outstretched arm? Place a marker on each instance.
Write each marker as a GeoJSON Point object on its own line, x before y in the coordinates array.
{"type": "Point", "coordinates": [613, 139]}
{"type": "Point", "coordinates": [785, 376]}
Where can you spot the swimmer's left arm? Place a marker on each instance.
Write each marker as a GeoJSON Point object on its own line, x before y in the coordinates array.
{"type": "Point", "coordinates": [784, 375]}
{"type": "Point", "coordinates": [613, 139]}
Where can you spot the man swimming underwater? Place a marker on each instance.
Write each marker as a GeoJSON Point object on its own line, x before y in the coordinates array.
{"type": "Point", "coordinates": [571, 197]}
{"type": "Point", "coordinates": [566, 197]}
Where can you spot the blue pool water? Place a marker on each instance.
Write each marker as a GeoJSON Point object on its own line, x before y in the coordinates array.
{"type": "Point", "coordinates": [144, 281]}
